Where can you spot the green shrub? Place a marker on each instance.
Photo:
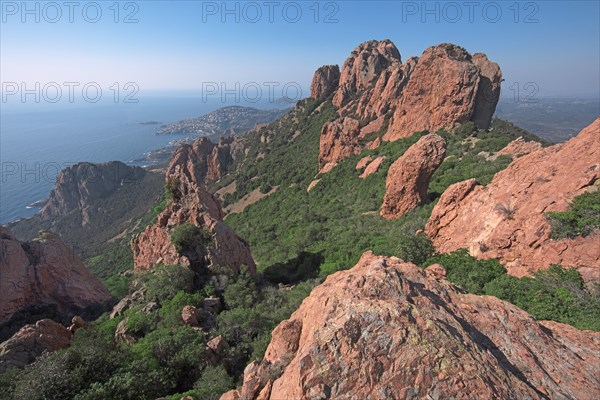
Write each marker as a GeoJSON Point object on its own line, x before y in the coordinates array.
{"type": "Point", "coordinates": [581, 219]}
{"type": "Point", "coordinates": [414, 248]}
{"type": "Point", "coordinates": [164, 282]}
{"type": "Point", "coordinates": [242, 292]}
{"type": "Point", "coordinates": [468, 272]}
{"type": "Point", "coordinates": [212, 383]}
{"type": "Point", "coordinates": [183, 236]}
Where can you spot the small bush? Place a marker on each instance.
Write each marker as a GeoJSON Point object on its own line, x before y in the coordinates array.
{"type": "Point", "coordinates": [184, 235]}
{"type": "Point", "coordinates": [163, 282]}
{"type": "Point", "coordinates": [213, 382]}
{"type": "Point", "coordinates": [581, 219]}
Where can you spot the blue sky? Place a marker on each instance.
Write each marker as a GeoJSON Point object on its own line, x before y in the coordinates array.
{"type": "Point", "coordinates": [177, 46]}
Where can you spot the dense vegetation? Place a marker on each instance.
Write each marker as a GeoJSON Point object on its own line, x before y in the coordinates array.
{"type": "Point", "coordinates": [156, 354]}
{"type": "Point", "coordinates": [557, 293]}
{"type": "Point", "coordinates": [339, 218]}
{"type": "Point", "coordinates": [581, 219]}
{"type": "Point", "coordinates": [298, 237]}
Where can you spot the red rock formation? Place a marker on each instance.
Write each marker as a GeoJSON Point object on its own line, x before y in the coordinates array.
{"type": "Point", "coordinates": [519, 147]}
{"type": "Point", "coordinates": [205, 161]}
{"type": "Point", "coordinates": [388, 329]}
{"type": "Point", "coordinates": [363, 162]}
{"type": "Point", "coordinates": [80, 184]}
{"type": "Point", "coordinates": [506, 219]}
{"type": "Point", "coordinates": [363, 68]}
{"type": "Point", "coordinates": [45, 273]}
{"type": "Point", "coordinates": [31, 341]}
{"type": "Point", "coordinates": [325, 81]}
{"type": "Point", "coordinates": [444, 90]}
{"type": "Point", "coordinates": [445, 87]}
{"type": "Point", "coordinates": [408, 178]}
{"type": "Point", "coordinates": [372, 167]}
{"type": "Point", "coordinates": [191, 204]}
{"type": "Point", "coordinates": [190, 316]}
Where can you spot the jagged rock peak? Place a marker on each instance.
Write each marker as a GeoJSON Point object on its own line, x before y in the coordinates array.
{"type": "Point", "coordinates": [363, 67]}
{"type": "Point", "coordinates": [387, 329]}
{"type": "Point", "coordinates": [381, 99]}
{"type": "Point", "coordinates": [324, 82]}
{"type": "Point", "coordinates": [191, 203]}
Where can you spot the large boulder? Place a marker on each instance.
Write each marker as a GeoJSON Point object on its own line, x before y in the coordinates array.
{"type": "Point", "coordinates": [386, 329]}
{"type": "Point", "coordinates": [506, 220]}
{"type": "Point", "coordinates": [408, 177]}
{"type": "Point", "coordinates": [45, 278]}
{"type": "Point", "coordinates": [31, 341]}
{"type": "Point", "coordinates": [447, 87]}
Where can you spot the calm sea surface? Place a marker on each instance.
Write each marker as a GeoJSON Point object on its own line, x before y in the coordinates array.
{"type": "Point", "coordinates": [36, 142]}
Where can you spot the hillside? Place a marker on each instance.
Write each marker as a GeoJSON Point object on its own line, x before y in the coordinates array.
{"type": "Point", "coordinates": [225, 121]}
{"type": "Point", "coordinates": [332, 253]}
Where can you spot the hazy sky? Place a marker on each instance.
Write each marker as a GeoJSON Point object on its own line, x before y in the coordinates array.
{"type": "Point", "coordinates": [177, 46]}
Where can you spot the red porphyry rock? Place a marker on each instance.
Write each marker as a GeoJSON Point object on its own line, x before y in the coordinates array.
{"type": "Point", "coordinates": [45, 272]}
{"type": "Point", "coordinates": [372, 167]}
{"type": "Point", "coordinates": [506, 220]}
{"type": "Point", "coordinates": [443, 88]}
{"type": "Point", "coordinates": [408, 177]}
{"type": "Point", "coordinates": [191, 203]}
{"type": "Point", "coordinates": [31, 341]}
{"type": "Point", "coordinates": [363, 162]}
{"type": "Point", "coordinates": [190, 316]}
{"type": "Point", "coordinates": [388, 329]}
{"type": "Point", "coordinates": [447, 87]}
{"type": "Point", "coordinates": [324, 82]}
{"type": "Point", "coordinates": [519, 147]}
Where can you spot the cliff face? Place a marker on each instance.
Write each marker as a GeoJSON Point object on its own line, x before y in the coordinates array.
{"type": "Point", "coordinates": [506, 219]}
{"type": "Point", "coordinates": [381, 98]}
{"type": "Point", "coordinates": [388, 329]}
{"type": "Point", "coordinates": [191, 203]}
{"type": "Point", "coordinates": [45, 274]}
{"type": "Point", "coordinates": [80, 184]}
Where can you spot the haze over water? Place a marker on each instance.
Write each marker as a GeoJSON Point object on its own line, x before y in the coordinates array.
{"type": "Point", "coordinates": [39, 140]}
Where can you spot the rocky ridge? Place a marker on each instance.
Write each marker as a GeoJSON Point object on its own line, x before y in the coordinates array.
{"type": "Point", "coordinates": [77, 186]}
{"type": "Point", "coordinates": [381, 98]}
{"type": "Point", "coordinates": [191, 203]}
{"type": "Point", "coordinates": [506, 220]}
{"type": "Point", "coordinates": [386, 329]}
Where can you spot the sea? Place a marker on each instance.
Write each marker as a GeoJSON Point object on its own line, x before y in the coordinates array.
{"type": "Point", "coordinates": [37, 141]}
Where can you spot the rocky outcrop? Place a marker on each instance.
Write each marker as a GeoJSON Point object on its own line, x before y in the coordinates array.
{"type": "Point", "coordinates": [506, 219]}
{"type": "Point", "coordinates": [447, 87]}
{"type": "Point", "coordinates": [324, 82]}
{"type": "Point", "coordinates": [381, 98]}
{"type": "Point", "coordinates": [193, 204]}
{"type": "Point", "coordinates": [363, 68]}
{"type": "Point", "coordinates": [372, 167]}
{"type": "Point", "coordinates": [79, 185]}
{"type": "Point", "coordinates": [408, 178]}
{"type": "Point", "coordinates": [386, 329]}
{"type": "Point", "coordinates": [519, 147]}
{"type": "Point", "coordinates": [44, 278]}
{"type": "Point", "coordinates": [206, 161]}
{"type": "Point", "coordinates": [32, 341]}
